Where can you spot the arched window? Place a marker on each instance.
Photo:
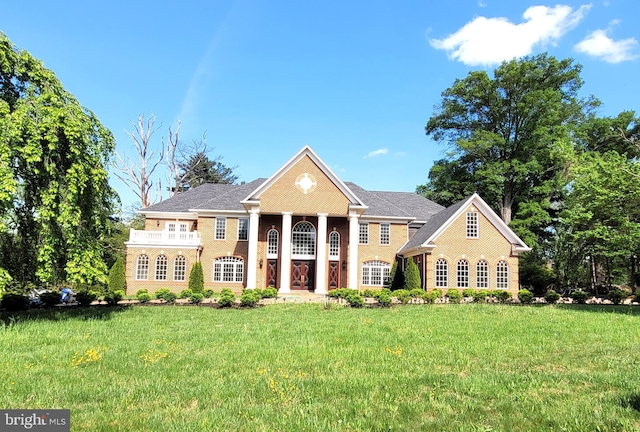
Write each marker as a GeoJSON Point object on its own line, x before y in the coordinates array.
{"type": "Point", "coordinates": [482, 274]}
{"type": "Point", "coordinates": [502, 275]}
{"type": "Point", "coordinates": [462, 274]}
{"type": "Point", "coordinates": [142, 267]}
{"type": "Point", "coordinates": [303, 241]}
{"type": "Point", "coordinates": [180, 268]}
{"type": "Point", "coordinates": [334, 246]}
{"type": "Point", "coordinates": [161, 268]}
{"type": "Point", "coordinates": [375, 273]}
{"type": "Point", "coordinates": [442, 273]}
{"type": "Point", "coordinates": [272, 244]}
{"type": "Point", "coordinates": [228, 269]}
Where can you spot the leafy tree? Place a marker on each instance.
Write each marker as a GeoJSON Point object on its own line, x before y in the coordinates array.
{"type": "Point", "coordinates": [602, 216]}
{"type": "Point", "coordinates": [506, 138]}
{"type": "Point", "coordinates": [117, 276]}
{"type": "Point", "coordinates": [196, 278]}
{"type": "Point", "coordinates": [412, 276]}
{"type": "Point", "coordinates": [54, 191]}
{"type": "Point", "coordinates": [198, 169]}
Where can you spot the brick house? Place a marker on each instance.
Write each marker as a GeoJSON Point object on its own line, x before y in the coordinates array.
{"type": "Point", "coordinates": [305, 229]}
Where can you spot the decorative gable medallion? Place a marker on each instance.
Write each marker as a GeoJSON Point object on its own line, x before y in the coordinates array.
{"type": "Point", "coordinates": [306, 183]}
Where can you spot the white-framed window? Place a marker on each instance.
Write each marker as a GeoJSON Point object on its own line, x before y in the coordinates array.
{"type": "Point", "coordinates": [221, 228]}
{"type": "Point", "coordinates": [385, 234]}
{"type": "Point", "coordinates": [180, 268]}
{"type": "Point", "coordinates": [472, 224]}
{"type": "Point", "coordinates": [142, 267]}
{"type": "Point", "coordinates": [482, 274]}
{"type": "Point", "coordinates": [161, 268]}
{"type": "Point", "coordinates": [243, 229]}
{"type": "Point", "coordinates": [363, 236]}
{"type": "Point", "coordinates": [375, 273]}
{"type": "Point", "coordinates": [303, 240]}
{"type": "Point", "coordinates": [462, 274]}
{"type": "Point", "coordinates": [442, 273]}
{"type": "Point", "coordinates": [228, 269]}
{"type": "Point", "coordinates": [334, 246]}
{"type": "Point", "coordinates": [272, 243]}
{"type": "Point", "coordinates": [177, 230]}
{"type": "Point", "coordinates": [502, 275]}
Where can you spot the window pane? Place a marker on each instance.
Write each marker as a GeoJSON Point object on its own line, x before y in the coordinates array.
{"type": "Point", "coordinates": [385, 234]}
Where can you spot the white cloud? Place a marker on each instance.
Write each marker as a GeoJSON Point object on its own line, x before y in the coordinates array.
{"type": "Point", "coordinates": [382, 151]}
{"type": "Point", "coordinates": [599, 44]}
{"type": "Point", "coordinates": [488, 41]}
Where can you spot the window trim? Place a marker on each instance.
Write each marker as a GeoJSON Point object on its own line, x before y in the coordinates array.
{"type": "Point", "coordinates": [299, 244]}
{"type": "Point", "coordinates": [462, 274]}
{"type": "Point", "coordinates": [442, 273]}
{"type": "Point", "coordinates": [220, 232]}
{"type": "Point", "coordinates": [142, 267]}
{"type": "Point", "coordinates": [270, 253]}
{"type": "Point", "coordinates": [502, 275]}
{"type": "Point", "coordinates": [385, 236]}
{"type": "Point", "coordinates": [482, 272]}
{"type": "Point", "coordinates": [367, 274]}
{"type": "Point", "coordinates": [334, 249]}
{"type": "Point", "coordinates": [161, 268]}
{"type": "Point", "coordinates": [472, 226]}
{"type": "Point", "coordinates": [182, 270]}
{"type": "Point", "coordinates": [237, 269]}
{"type": "Point", "coordinates": [246, 230]}
{"type": "Point", "coordinates": [363, 233]}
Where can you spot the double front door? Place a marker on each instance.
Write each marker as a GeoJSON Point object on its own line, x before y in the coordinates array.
{"type": "Point", "coordinates": [302, 274]}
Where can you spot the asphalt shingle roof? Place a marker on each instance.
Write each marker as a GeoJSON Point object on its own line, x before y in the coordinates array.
{"type": "Point", "coordinates": [228, 197]}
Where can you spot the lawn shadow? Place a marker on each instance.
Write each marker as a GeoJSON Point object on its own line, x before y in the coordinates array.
{"type": "Point", "coordinates": [85, 313]}
{"type": "Point", "coordinates": [599, 308]}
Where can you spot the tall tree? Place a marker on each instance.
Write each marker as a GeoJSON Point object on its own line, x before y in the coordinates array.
{"type": "Point", "coordinates": [506, 136]}
{"type": "Point", "coordinates": [54, 191]}
{"type": "Point", "coordinates": [199, 169]}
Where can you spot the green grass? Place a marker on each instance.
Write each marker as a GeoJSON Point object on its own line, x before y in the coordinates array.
{"type": "Point", "coordinates": [299, 367]}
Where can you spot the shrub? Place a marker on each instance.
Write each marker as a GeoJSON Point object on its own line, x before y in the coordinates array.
{"type": "Point", "coordinates": [270, 292]}
{"type": "Point", "coordinates": [432, 295]}
{"type": "Point", "coordinates": [113, 297]}
{"type": "Point", "coordinates": [412, 276]}
{"type": "Point", "coordinates": [355, 300]}
{"type": "Point", "coordinates": [525, 296]}
{"type": "Point", "coordinates": [636, 297]}
{"type": "Point", "coordinates": [340, 292]}
{"type": "Point", "coordinates": [208, 293]}
{"type": "Point", "coordinates": [551, 296]}
{"type": "Point", "coordinates": [417, 293]}
{"type": "Point", "coordinates": [50, 298]}
{"type": "Point", "coordinates": [196, 298]}
{"type": "Point", "coordinates": [502, 296]}
{"type": "Point", "coordinates": [480, 296]}
{"type": "Point", "coordinates": [616, 295]}
{"type": "Point", "coordinates": [166, 295]}
{"type": "Point", "coordinates": [85, 298]}
{"type": "Point", "coordinates": [117, 276]}
{"type": "Point", "coordinates": [579, 296]}
{"type": "Point", "coordinates": [370, 293]}
{"type": "Point", "coordinates": [227, 298]}
{"type": "Point", "coordinates": [143, 297]}
{"type": "Point", "coordinates": [196, 278]}
{"type": "Point", "coordinates": [468, 292]}
{"type": "Point", "coordinates": [185, 293]}
{"type": "Point", "coordinates": [454, 295]}
{"type": "Point", "coordinates": [250, 297]}
{"type": "Point", "coordinates": [161, 293]}
{"type": "Point", "coordinates": [14, 302]}
{"type": "Point", "coordinates": [384, 300]}
{"type": "Point", "coordinates": [396, 278]}
{"type": "Point", "coordinates": [403, 295]}
{"type": "Point", "coordinates": [142, 291]}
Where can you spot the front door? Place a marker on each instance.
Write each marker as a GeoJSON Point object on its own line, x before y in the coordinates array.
{"type": "Point", "coordinates": [302, 275]}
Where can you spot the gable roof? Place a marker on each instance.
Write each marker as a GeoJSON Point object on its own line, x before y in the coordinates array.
{"type": "Point", "coordinates": [396, 204]}
{"type": "Point", "coordinates": [429, 232]}
{"type": "Point", "coordinates": [306, 151]}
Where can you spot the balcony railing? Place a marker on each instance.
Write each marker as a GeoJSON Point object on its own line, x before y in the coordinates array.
{"type": "Point", "coordinates": [191, 238]}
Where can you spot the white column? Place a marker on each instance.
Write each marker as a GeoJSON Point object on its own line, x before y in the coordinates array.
{"type": "Point", "coordinates": [285, 266]}
{"type": "Point", "coordinates": [254, 220]}
{"type": "Point", "coordinates": [321, 255]}
{"type": "Point", "coordinates": [354, 235]}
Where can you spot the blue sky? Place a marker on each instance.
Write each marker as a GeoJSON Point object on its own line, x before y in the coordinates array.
{"type": "Point", "coordinates": [355, 80]}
